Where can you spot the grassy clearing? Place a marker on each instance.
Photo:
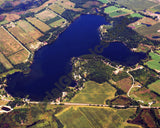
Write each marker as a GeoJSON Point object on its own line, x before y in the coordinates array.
{"type": "Point", "coordinates": [155, 62]}
{"type": "Point", "coordinates": [111, 9]}
{"type": "Point", "coordinates": [155, 86]}
{"type": "Point", "coordinates": [103, 1]}
{"type": "Point", "coordinates": [39, 24]}
{"type": "Point", "coordinates": [117, 13]}
{"type": "Point", "coordinates": [5, 62]}
{"type": "Point", "coordinates": [94, 93]}
{"type": "Point", "coordinates": [89, 117]}
{"type": "Point", "coordinates": [136, 15]}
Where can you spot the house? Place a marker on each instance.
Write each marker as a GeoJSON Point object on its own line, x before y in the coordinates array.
{"type": "Point", "coordinates": [64, 94]}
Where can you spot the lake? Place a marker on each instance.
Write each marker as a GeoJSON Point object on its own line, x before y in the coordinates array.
{"type": "Point", "coordinates": [53, 61]}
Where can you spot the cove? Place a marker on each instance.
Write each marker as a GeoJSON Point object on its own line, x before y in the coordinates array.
{"type": "Point", "coordinates": [53, 61]}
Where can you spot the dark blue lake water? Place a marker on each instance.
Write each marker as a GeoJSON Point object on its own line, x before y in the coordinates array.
{"type": "Point", "coordinates": [53, 61]}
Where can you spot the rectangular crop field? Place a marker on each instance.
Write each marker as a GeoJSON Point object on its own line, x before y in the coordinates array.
{"type": "Point", "coordinates": [135, 4]}
{"type": "Point", "coordinates": [5, 62]}
{"type": "Point", "coordinates": [94, 93]}
{"type": "Point", "coordinates": [67, 4]}
{"type": "Point", "coordinates": [155, 86]}
{"type": "Point", "coordinates": [58, 23]}
{"type": "Point", "coordinates": [21, 35]}
{"type": "Point", "coordinates": [103, 1]}
{"type": "Point", "coordinates": [124, 84]}
{"type": "Point", "coordinates": [46, 15]}
{"type": "Point", "coordinates": [8, 44]}
{"type": "Point", "coordinates": [57, 8]}
{"type": "Point", "coordinates": [39, 24]}
{"type": "Point", "coordinates": [117, 13]}
{"type": "Point", "coordinates": [136, 15]}
{"type": "Point", "coordinates": [111, 9]}
{"type": "Point", "coordinates": [19, 57]}
{"type": "Point", "coordinates": [29, 29]}
{"type": "Point", "coordinates": [92, 117]}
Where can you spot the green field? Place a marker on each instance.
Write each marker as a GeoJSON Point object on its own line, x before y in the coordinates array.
{"type": "Point", "coordinates": [155, 86]}
{"type": "Point", "coordinates": [94, 93]}
{"type": "Point", "coordinates": [57, 23]}
{"type": "Point", "coordinates": [135, 4]}
{"type": "Point", "coordinates": [91, 117]}
{"type": "Point", "coordinates": [103, 1]}
{"type": "Point", "coordinates": [114, 11]}
{"type": "Point", "coordinates": [136, 15]}
{"type": "Point", "coordinates": [111, 9]}
{"type": "Point", "coordinates": [155, 62]}
{"type": "Point", "coordinates": [56, 8]}
{"type": "Point", "coordinates": [117, 13]}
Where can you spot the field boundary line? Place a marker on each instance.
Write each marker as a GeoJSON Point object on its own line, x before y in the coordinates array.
{"type": "Point", "coordinates": [17, 41]}
{"type": "Point", "coordinates": [86, 118]}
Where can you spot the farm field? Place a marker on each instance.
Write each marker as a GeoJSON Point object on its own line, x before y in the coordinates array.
{"type": "Point", "coordinates": [66, 4]}
{"type": "Point", "coordinates": [29, 29]}
{"type": "Point", "coordinates": [103, 1]}
{"type": "Point", "coordinates": [94, 93]}
{"type": "Point", "coordinates": [124, 84]}
{"type": "Point", "coordinates": [8, 45]}
{"type": "Point", "coordinates": [155, 86]}
{"type": "Point", "coordinates": [117, 13]}
{"type": "Point", "coordinates": [154, 63]}
{"type": "Point", "coordinates": [111, 9]}
{"type": "Point", "coordinates": [136, 15]}
{"type": "Point", "coordinates": [90, 4]}
{"type": "Point", "coordinates": [19, 57]}
{"type": "Point", "coordinates": [21, 35]}
{"type": "Point", "coordinates": [135, 4]}
{"type": "Point", "coordinates": [57, 8]}
{"type": "Point", "coordinates": [114, 11]}
{"type": "Point", "coordinates": [39, 24]}
{"type": "Point", "coordinates": [5, 62]}
{"type": "Point", "coordinates": [57, 23]}
{"type": "Point", "coordinates": [89, 117]}
{"type": "Point", "coordinates": [46, 15]}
